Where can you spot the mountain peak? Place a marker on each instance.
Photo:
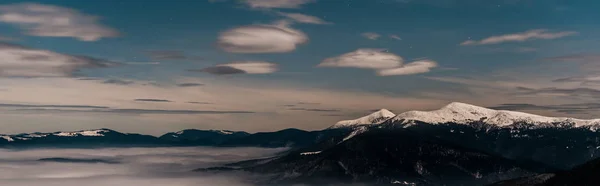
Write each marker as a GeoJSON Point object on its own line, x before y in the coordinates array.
{"type": "Point", "coordinates": [463, 113]}
{"type": "Point", "coordinates": [376, 117]}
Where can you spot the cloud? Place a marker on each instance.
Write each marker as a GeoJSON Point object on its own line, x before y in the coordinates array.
{"type": "Point", "coordinates": [577, 108]}
{"type": "Point", "coordinates": [520, 37]}
{"type": "Point", "coordinates": [396, 37]}
{"type": "Point", "coordinates": [55, 21]}
{"type": "Point", "coordinates": [303, 18]}
{"type": "Point", "coordinates": [138, 166]}
{"type": "Point", "coordinates": [190, 84]}
{"type": "Point", "coordinates": [386, 63]}
{"type": "Point", "coordinates": [268, 4]}
{"type": "Point", "coordinates": [279, 38]}
{"type": "Point", "coordinates": [416, 67]}
{"type": "Point", "coordinates": [170, 55]}
{"type": "Point", "coordinates": [132, 111]}
{"type": "Point", "coordinates": [245, 67]}
{"type": "Point", "coordinates": [364, 58]}
{"type": "Point", "coordinates": [118, 82]}
{"type": "Point", "coordinates": [315, 109]}
{"type": "Point", "coordinates": [152, 100]}
{"type": "Point", "coordinates": [583, 57]}
{"type": "Point", "coordinates": [371, 35]}
{"type": "Point", "coordinates": [201, 103]}
{"type": "Point", "coordinates": [20, 61]}
{"type": "Point", "coordinates": [554, 91]}
{"type": "Point", "coordinates": [52, 106]}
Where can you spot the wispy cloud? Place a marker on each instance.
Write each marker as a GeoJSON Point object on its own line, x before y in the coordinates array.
{"type": "Point", "coordinates": [396, 37]}
{"type": "Point", "coordinates": [118, 82]}
{"type": "Point", "coordinates": [315, 109]}
{"type": "Point", "coordinates": [267, 4]}
{"type": "Point", "coordinates": [54, 21]}
{"type": "Point", "coordinates": [20, 61]}
{"type": "Point", "coordinates": [520, 37]}
{"type": "Point", "coordinates": [303, 18]}
{"type": "Point", "coordinates": [577, 108]}
{"type": "Point", "coordinates": [583, 57]}
{"type": "Point", "coordinates": [245, 67]}
{"type": "Point", "coordinates": [152, 100]}
{"type": "Point", "coordinates": [554, 91]}
{"type": "Point", "coordinates": [52, 106]}
{"type": "Point", "coordinates": [190, 84]}
{"type": "Point", "coordinates": [371, 35]}
{"type": "Point", "coordinates": [170, 55]}
{"type": "Point", "coordinates": [416, 67]}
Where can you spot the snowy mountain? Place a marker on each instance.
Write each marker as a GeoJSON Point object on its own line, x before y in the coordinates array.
{"type": "Point", "coordinates": [463, 113]}
{"type": "Point", "coordinates": [83, 138]}
{"type": "Point", "coordinates": [38, 135]}
{"type": "Point", "coordinates": [374, 118]}
{"type": "Point", "coordinates": [201, 137]}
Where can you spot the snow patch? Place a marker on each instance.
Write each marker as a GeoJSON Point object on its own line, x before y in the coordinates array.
{"type": "Point", "coordinates": [371, 119]}
{"type": "Point", "coordinates": [358, 131]}
{"type": "Point", "coordinates": [82, 133]}
{"type": "Point", "coordinates": [310, 153]}
{"type": "Point", "coordinates": [7, 138]}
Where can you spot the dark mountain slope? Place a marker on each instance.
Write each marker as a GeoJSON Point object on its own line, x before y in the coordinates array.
{"type": "Point", "coordinates": [393, 156]}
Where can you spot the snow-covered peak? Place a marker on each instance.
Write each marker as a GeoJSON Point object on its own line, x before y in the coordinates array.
{"type": "Point", "coordinates": [98, 132]}
{"type": "Point", "coordinates": [377, 117]}
{"type": "Point", "coordinates": [465, 113]}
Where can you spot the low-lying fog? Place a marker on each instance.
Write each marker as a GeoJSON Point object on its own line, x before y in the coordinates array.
{"type": "Point", "coordinates": [125, 166]}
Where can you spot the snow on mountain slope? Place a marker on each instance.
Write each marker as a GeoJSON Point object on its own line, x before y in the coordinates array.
{"type": "Point", "coordinates": [374, 118]}
{"type": "Point", "coordinates": [464, 113]}
{"type": "Point", "coordinates": [22, 137]}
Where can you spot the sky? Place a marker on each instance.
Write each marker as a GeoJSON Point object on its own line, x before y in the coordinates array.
{"type": "Point", "coordinates": [265, 65]}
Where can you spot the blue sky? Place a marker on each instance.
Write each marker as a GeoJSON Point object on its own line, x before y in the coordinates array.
{"type": "Point", "coordinates": [248, 58]}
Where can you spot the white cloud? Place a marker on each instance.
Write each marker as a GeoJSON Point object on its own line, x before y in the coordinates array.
{"type": "Point", "coordinates": [278, 38]}
{"type": "Point", "coordinates": [520, 37]}
{"type": "Point", "coordinates": [371, 35]}
{"type": "Point", "coordinates": [386, 63]}
{"type": "Point", "coordinates": [55, 21]}
{"type": "Point", "coordinates": [303, 18]}
{"type": "Point", "coordinates": [276, 3]}
{"type": "Point", "coordinates": [396, 37]}
{"type": "Point", "coordinates": [364, 58]}
{"type": "Point", "coordinates": [243, 67]}
{"type": "Point", "coordinates": [19, 61]}
{"type": "Point", "coordinates": [416, 67]}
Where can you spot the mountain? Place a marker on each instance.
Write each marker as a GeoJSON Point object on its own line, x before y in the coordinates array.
{"type": "Point", "coordinates": [586, 174]}
{"type": "Point", "coordinates": [377, 117]}
{"type": "Point", "coordinates": [83, 138]}
{"type": "Point", "coordinates": [465, 113]}
{"type": "Point", "coordinates": [190, 137]}
{"type": "Point", "coordinates": [559, 142]}
{"type": "Point", "coordinates": [382, 156]}
{"type": "Point", "coordinates": [201, 137]}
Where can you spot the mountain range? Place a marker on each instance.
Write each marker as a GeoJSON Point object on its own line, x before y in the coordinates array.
{"type": "Point", "coordinates": [458, 144]}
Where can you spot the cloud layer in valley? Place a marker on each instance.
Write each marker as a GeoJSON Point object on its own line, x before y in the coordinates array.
{"type": "Point", "coordinates": [130, 166]}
